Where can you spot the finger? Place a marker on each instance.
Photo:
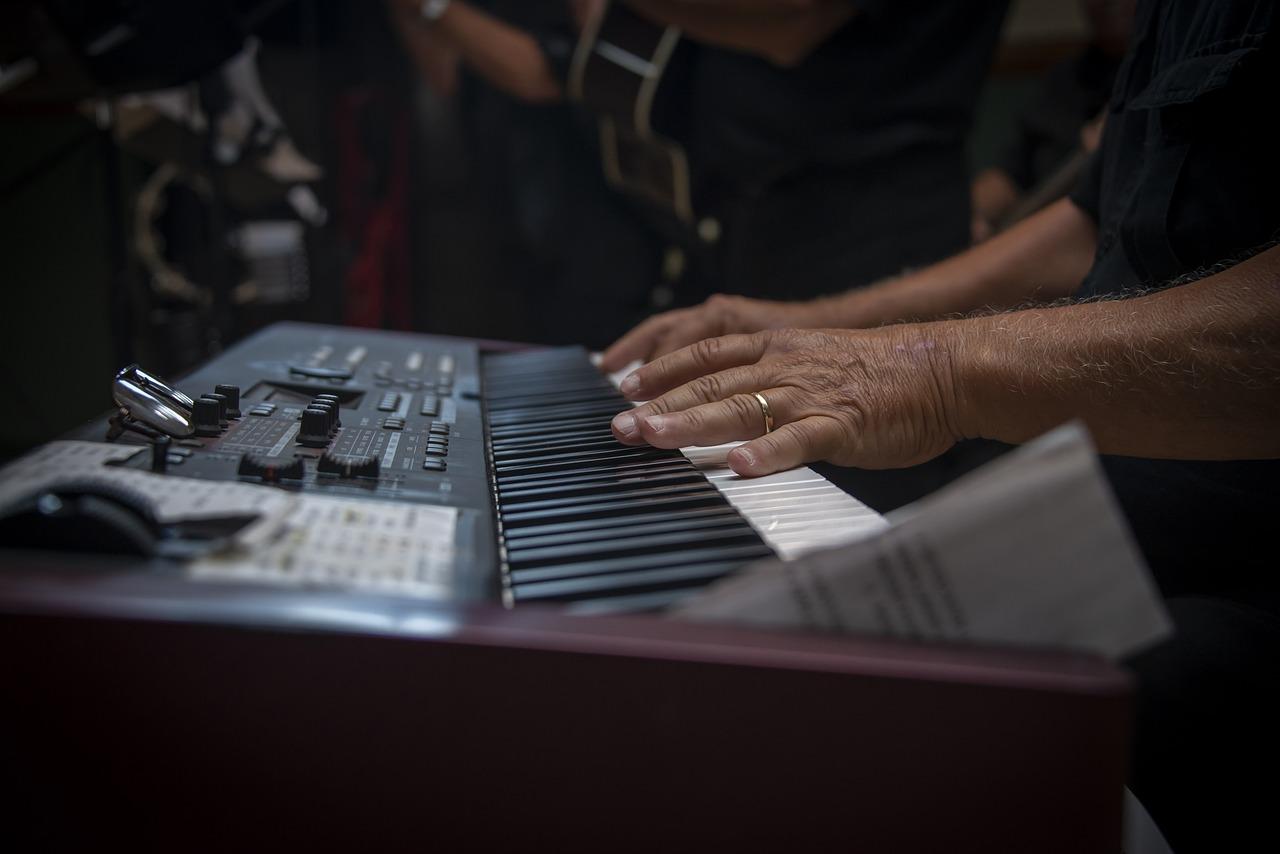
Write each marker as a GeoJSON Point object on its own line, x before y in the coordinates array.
{"type": "Point", "coordinates": [711, 388]}
{"type": "Point", "coordinates": [689, 331]}
{"type": "Point", "coordinates": [793, 444]}
{"type": "Point", "coordinates": [705, 357]}
{"type": "Point", "coordinates": [729, 420]}
{"type": "Point", "coordinates": [638, 343]}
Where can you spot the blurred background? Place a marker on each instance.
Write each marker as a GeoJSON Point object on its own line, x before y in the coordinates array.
{"type": "Point", "coordinates": [175, 176]}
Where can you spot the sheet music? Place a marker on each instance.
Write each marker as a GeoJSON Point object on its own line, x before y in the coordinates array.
{"type": "Point", "coordinates": [1031, 549]}
{"type": "Point", "coordinates": [405, 549]}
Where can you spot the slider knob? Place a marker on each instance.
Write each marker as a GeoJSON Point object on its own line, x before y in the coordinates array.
{"type": "Point", "coordinates": [329, 464]}
{"type": "Point", "coordinates": [314, 432]}
{"type": "Point", "coordinates": [271, 470]}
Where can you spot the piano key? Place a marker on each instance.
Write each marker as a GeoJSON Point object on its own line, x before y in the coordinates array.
{"type": "Point", "coordinates": [635, 563]}
{"type": "Point", "coordinates": [612, 496]}
{"type": "Point", "coordinates": [658, 467]}
{"type": "Point", "coordinates": [646, 544]}
{"type": "Point", "coordinates": [687, 577]}
{"type": "Point", "coordinates": [608, 508]}
{"type": "Point", "coordinates": [612, 527]}
{"type": "Point", "coordinates": [551, 448]}
{"type": "Point", "coordinates": [667, 525]}
{"type": "Point", "coordinates": [777, 503]}
{"type": "Point", "coordinates": [629, 455]}
{"type": "Point", "coordinates": [600, 487]}
{"type": "Point", "coordinates": [647, 463]}
{"type": "Point", "coordinates": [621, 523]}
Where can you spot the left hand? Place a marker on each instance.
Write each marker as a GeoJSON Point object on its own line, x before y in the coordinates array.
{"type": "Point", "coordinates": [878, 398]}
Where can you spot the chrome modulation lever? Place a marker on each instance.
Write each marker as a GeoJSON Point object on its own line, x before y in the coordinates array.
{"type": "Point", "coordinates": [158, 386]}
{"type": "Point", "coordinates": [153, 402]}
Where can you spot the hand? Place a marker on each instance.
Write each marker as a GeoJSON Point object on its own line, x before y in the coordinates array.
{"type": "Point", "coordinates": [881, 398]}
{"type": "Point", "coordinates": [719, 315]}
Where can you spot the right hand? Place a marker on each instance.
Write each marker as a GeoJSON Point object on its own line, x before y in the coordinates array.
{"type": "Point", "coordinates": [719, 315]}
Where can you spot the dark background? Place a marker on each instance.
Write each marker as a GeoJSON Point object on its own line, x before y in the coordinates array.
{"type": "Point", "coordinates": [76, 305]}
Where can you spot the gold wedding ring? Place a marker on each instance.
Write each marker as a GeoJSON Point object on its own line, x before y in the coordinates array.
{"type": "Point", "coordinates": [765, 411]}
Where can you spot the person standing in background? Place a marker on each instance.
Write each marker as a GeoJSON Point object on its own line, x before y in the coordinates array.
{"type": "Point", "coordinates": [825, 140]}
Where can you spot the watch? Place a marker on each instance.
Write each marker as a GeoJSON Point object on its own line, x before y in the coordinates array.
{"type": "Point", "coordinates": [433, 10]}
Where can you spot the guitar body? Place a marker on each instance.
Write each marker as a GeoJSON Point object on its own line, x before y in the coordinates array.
{"type": "Point", "coordinates": [619, 62]}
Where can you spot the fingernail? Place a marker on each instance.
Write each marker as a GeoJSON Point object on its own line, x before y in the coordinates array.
{"type": "Point", "coordinates": [656, 423]}
{"type": "Point", "coordinates": [630, 385]}
{"type": "Point", "coordinates": [625, 423]}
{"type": "Point", "coordinates": [745, 457]}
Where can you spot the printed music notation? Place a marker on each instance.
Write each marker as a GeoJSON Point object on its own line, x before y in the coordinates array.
{"type": "Point", "coordinates": [401, 549]}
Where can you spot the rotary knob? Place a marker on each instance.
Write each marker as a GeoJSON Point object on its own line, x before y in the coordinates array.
{"type": "Point", "coordinates": [205, 412]}
{"type": "Point", "coordinates": [330, 409]}
{"type": "Point", "coordinates": [222, 407]}
{"type": "Point", "coordinates": [232, 395]}
{"type": "Point", "coordinates": [332, 400]}
{"type": "Point", "coordinates": [314, 432]}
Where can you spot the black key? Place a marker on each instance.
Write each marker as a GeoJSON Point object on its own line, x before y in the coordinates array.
{"type": "Point", "coordinates": [645, 545]}
{"type": "Point", "coordinates": [603, 479]}
{"type": "Point", "coordinates": [611, 508]}
{"type": "Point", "coordinates": [634, 455]}
{"type": "Point", "coordinates": [599, 472]}
{"type": "Point", "coordinates": [620, 487]}
{"type": "Point", "coordinates": [652, 464]}
{"type": "Point", "coordinates": [668, 525]}
{"type": "Point", "coordinates": [621, 523]}
{"type": "Point", "coordinates": [652, 579]}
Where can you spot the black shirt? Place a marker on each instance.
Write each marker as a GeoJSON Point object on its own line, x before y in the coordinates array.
{"type": "Point", "coordinates": [898, 75]}
{"type": "Point", "coordinates": [1187, 174]}
{"type": "Point", "coordinates": [1187, 177]}
{"type": "Point", "coordinates": [847, 167]}
{"type": "Point", "coordinates": [840, 170]}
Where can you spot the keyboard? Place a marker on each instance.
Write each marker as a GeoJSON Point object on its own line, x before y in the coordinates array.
{"type": "Point", "coordinates": [507, 456]}
{"type": "Point", "coordinates": [545, 506]}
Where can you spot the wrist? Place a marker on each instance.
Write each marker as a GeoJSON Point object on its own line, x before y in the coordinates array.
{"type": "Point", "coordinates": [958, 355]}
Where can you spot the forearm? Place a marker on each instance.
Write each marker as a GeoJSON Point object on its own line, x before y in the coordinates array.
{"type": "Point", "coordinates": [435, 59]}
{"type": "Point", "coordinates": [507, 57]}
{"type": "Point", "coordinates": [1041, 259]}
{"type": "Point", "coordinates": [1189, 372]}
{"type": "Point", "coordinates": [782, 31]}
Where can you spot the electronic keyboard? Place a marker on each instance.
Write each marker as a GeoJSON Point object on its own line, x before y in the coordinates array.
{"type": "Point", "coordinates": [509, 453]}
